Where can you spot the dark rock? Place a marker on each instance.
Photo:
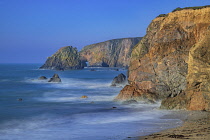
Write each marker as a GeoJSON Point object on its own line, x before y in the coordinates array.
{"type": "Point", "coordinates": [20, 99]}
{"type": "Point", "coordinates": [114, 107]}
{"type": "Point", "coordinates": [42, 78]}
{"type": "Point", "coordinates": [176, 136]}
{"type": "Point", "coordinates": [119, 80]}
{"type": "Point", "coordinates": [55, 78]}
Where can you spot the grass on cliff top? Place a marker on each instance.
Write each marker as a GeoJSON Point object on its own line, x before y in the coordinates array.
{"type": "Point", "coordinates": [163, 15]}
{"type": "Point", "coordinates": [194, 8]}
{"type": "Point", "coordinates": [179, 9]}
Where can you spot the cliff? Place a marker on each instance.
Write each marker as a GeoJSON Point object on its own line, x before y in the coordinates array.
{"type": "Point", "coordinates": [111, 53]}
{"type": "Point", "coordinates": [65, 58]}
{"type": "Point", "coordinates": [172, 61]}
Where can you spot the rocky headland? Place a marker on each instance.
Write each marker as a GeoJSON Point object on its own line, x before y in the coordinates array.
{"type": "Point", "coordinates": [64, 59]}
{"type": "Point", "coordinates": [111, 53]}
{"type": "Point", "coordinates": [172, 61]}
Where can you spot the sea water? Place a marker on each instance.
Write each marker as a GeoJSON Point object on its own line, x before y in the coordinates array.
{"type": "Point", "coordinates": [56, 111]}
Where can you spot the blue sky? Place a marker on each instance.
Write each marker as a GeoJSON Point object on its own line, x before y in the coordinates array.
{"type": "Point", "coordinates": [32, 30]}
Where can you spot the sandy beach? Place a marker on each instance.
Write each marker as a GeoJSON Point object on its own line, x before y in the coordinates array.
{"type": "Point", "coordinates": [196, 126]}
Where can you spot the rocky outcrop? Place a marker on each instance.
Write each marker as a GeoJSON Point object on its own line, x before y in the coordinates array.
{"type": "Point", "coordinates": [119, 80]}
{"type": "Point", "coordinates": [55, 79]}
{"type": "Point", "coordinates": [42, 78]}
{"type": "Point", "coordinates": [172, 61]}
{"type": "Point", "coordinates": [112, 53]}
{"type": "Point", "coordinates": [64, 59]}
{"type": "Point", "coordinates": [129, 92]}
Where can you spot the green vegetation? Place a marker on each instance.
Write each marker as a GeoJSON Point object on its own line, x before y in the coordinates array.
{"type": "Point", "coordinates": [194, 8]}
{"type": "Point", "coordinates": [163, 15]}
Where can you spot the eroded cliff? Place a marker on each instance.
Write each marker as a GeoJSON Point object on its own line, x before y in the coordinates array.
{"type": "Point", "coordinates": [172, 61]}
{"type": "Point", "coordinates": [111, 53]}
{"type": "Point", "coordinates": [64, 59]}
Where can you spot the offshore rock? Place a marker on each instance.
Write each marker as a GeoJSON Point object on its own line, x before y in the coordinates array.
{"type": "Point", "coordinates": [55, 79]}
{"type": "Point", "coordinates": [172, 62]}
{"type": "Point", "coordinates": [42, 78]}
{"type": "Point", "coordinates": [119, 80]}
{"type": "Point", "coordinates": [111, 53]}
{"type": "Point", "coordinates": [66, 58]}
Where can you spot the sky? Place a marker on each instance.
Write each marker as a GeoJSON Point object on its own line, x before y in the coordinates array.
{"type": "Point", "coordinates": [32, 30]}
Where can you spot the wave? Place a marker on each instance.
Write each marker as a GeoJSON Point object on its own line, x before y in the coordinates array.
{"type": "Point", "coordinates": [73, 83]}
{"type": "Point", "coordinates": [123, 117]}
{"type": "Point", "coordinates": [112, 125]}
{"type": "Point", "coordinates": [82, 83]}
{"type": "Point", "coordinates": [57, 96]}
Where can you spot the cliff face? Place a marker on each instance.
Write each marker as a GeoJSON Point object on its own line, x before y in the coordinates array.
{"type": "Point", "coordinates": [112, 53]}
{"type": "Point", "coordinates": [65, 58]}
{"type": "Point", "coordinates": [172, 61]}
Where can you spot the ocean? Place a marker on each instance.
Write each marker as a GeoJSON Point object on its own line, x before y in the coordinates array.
{"type": "Point", "coordinates": [56, 111]}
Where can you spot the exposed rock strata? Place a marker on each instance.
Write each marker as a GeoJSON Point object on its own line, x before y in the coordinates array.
{"type": "Point", "coordinates": [65, 58]}
{"type": "Point", "coordinates": [172, 62]}
{"type": "Point", "coordinates": [112, 53]}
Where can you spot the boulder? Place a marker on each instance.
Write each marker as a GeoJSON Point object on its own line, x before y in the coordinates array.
{"type": "Point", "coordinates": [119, 80]}
{"type": "Point", "coordinates": [42, 78]}
{"type": "Point", "coordinates": [130, 92]}
{"type": "Point", "coordinates": [55, 78]}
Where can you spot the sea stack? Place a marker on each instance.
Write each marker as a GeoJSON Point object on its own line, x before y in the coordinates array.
{"type": "Point", "coordinates": [55, 79]}
{"type": "Point", "coordinates": [172, 61]}
{"type": "Point", "coordinates": [66, 58]}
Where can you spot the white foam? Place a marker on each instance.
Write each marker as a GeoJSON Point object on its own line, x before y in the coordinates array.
{"type": "Point", "coordinates": [78, 83]}
{"type": "Point", "coordinates": [58, 96]}
{"type": "Point", "coordinates": [99, 125]}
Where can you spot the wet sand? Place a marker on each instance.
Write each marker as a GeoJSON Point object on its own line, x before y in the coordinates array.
{"type": "Point", "coordinates": [196, 126]}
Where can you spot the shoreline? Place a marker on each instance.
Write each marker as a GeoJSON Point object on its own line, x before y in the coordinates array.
{"type": "Point", "coordinates": [196, 125]}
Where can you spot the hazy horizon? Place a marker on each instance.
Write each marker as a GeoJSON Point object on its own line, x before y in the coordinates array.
{"type": "Point", "coordinates": [32, 30]}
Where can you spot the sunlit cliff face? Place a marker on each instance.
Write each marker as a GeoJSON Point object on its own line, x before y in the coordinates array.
{"type": "Point", "coordinates": [112, 53]}
{"type": "Point", "coordinates": [172, 58]}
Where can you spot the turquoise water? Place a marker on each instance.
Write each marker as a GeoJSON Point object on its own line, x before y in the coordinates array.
{"type": "Point", "coordinates": [54, 111]}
